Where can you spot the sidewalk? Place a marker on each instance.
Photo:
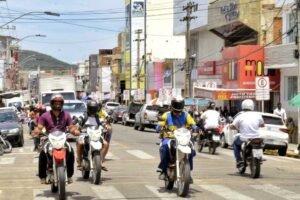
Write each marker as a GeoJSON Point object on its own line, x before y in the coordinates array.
{"type": "Point", "coordinates": [291, 151]}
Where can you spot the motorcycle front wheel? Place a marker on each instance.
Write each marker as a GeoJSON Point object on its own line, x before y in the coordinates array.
{"type": "Point", "coordinates": [212, 148]}
{"type": "Point", "coordinates": [7, 147]}
{"type": "Point", "coordinates": [61, 181]}
{"type": "Point", "coordinates": [183, 184]}
{"type": "Point", "coordinates": [96, 171]}
{"type": "Point", "coordinates": [85, 169]}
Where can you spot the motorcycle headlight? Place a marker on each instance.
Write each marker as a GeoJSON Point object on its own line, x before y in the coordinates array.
{"type": "Point", "coordinates": [183, 136]}
{"type": "Point", "coordinates": [95, 135]}
{"type": "Point", "coordinates": [57, 142]}
{"type": "Point", "coordinates": [15, 130]}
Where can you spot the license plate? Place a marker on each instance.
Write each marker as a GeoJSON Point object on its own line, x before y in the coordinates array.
{"type": "Point", "coordinates": [216, 138]}
{"type": "Point", "coordinates": [257, 153]}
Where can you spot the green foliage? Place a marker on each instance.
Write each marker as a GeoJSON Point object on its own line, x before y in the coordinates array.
{"type": "Point", "coordinates": [46, 62]}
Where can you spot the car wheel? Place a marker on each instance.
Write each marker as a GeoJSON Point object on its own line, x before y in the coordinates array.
{"type": "Point", "coordinates": [135, 126]}
{"type": "Point", "coordinates": [141, 127]}
{"type": "Point", "coordinates": [282, 151]}
{"type": "Point", "coordinates": [20, 142]}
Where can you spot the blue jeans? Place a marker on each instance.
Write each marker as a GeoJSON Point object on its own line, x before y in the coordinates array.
{"type": "Point", "coordinates": [164, 155]}
{"type": "Point", "coordinates": [237, 149]}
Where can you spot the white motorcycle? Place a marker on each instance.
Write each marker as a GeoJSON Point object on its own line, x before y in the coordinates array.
{"type": "Point", "coordinates": [91, 161]}
{"type": "Point", "coordinates": [56, 149]}
{"type": "Point", "coordinates": [179, 167]}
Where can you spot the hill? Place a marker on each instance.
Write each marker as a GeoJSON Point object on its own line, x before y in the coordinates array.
{"type": "Point", "coordinates": [30, 60]}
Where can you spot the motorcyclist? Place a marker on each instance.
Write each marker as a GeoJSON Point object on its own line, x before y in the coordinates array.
{"type": "Point", "coordinates": [53, 120]}
{"type": "Point", "coordinates": [247, 123]}
{"type": "Point", "coordinates": [92, 118]}
{"type": "Point", "coordinates": [176, 118]}
{"type": "Point", "coordinates": [210, 118]}
{"type": "Point", "coordinates": [41, 110]}
{"type": "Point", "coordinates": [107, 136]}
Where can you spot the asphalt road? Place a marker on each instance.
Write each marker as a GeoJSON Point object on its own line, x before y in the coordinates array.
{"type": "Point", "coordinates": [132, 164]}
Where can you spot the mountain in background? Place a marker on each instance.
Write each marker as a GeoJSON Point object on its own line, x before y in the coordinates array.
{"type": "Point", "coordinates": [30, 60]}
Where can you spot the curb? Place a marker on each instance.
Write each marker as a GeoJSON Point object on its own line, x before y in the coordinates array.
{"type": "Point", "coordinates": [292, 154]}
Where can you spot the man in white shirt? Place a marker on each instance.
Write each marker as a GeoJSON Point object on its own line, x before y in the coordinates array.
{"type": "Point", "coordinates": [280, 112]}
{"type": "Point", "coordinates": [247, 123]}
{"type": "Point", "coordinates": [211, 117]}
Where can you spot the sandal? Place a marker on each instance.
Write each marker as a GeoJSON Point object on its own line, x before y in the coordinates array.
{"type": "Point", "coordinates": [104, 168]}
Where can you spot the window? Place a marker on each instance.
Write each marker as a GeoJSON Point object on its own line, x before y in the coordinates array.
{"type": "Point", "coordinates": [272, 120]}
{"type": "Point", "coordinates": [291, 87]}
{"type": "Point", "coordinates": [290, 22]}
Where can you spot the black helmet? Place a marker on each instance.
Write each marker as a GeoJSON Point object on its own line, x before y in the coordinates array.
{"type": "Point", "coordinates": [92, 108]}
{"type": "Point", "coordinates": [57, 98]}
{"type": "Point", "coordinates": [211, 105]}
{"type": "Point", "coordinates": [177, 104]}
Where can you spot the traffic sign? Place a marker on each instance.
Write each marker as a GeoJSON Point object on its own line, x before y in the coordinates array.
{"type": "Point", "coordinates": [211, 84]}
{"type": "Point", "coordinates": [126, 95]}
{"type": "Point", "coordinates": [262, 88]}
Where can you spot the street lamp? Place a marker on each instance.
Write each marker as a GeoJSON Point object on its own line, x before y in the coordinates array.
{"type": "Point", "coordinates": [29, 13]}
{"type": "Point", "coordinates": [27, 36]}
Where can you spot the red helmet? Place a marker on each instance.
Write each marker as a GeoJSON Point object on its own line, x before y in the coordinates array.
{"type": "Point", "coordinates": [42, 107]}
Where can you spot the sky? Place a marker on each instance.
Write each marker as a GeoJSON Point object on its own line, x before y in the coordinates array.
{"type": "Point", "coordinates": [95, 25]}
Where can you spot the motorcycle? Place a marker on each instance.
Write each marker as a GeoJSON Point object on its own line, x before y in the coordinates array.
{"type": "Point", "coordinates": [252, 156]}
{"type": "Point", "coordinates": [5, 145]}
{"type": "Point", "coordinates": [91, 162]}
{"type": "Point", "coordinates": [56, 148]}
{"type": "Point", "coordinates": [179, 167]}
{"type": "Point", "coordinates": [209, 138]}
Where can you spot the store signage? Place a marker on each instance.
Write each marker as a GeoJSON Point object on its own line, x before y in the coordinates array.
{"type": "Point", "coordinates": [230, 11]}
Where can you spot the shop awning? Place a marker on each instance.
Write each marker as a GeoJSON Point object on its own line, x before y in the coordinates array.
{"type": "Point", "coordinates": [281, 66]}
{"type": "Point", "coordinates": [295, 101]}
{"type": "Point", "coordinates": [224, 94]}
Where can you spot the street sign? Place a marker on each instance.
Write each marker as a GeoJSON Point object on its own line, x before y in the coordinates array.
{"type": "Point", "coordinates": [126, 95]}
{"type": "Point", "coordinates": [262, 88]}
{"type": "Point", "coordinates": [113, 95]}
{"type": "Point", "coordinates": [211, 84]}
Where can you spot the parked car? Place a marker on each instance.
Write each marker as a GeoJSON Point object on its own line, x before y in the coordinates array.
{"type": "Point", "coordinates": [147, 117]}
{"type": "Point", "coordinates": [129, 115]}
{"type": "Point", "coordinates": [11, 126]}
{"type": "Point", "coordinates": [111, 106]}
{"type": "Point", "coordinates": [76, 108]}
{"type": "Point", "coordinates": [117, 114]}
{"type": "Point", "coordinates": [274, 134]}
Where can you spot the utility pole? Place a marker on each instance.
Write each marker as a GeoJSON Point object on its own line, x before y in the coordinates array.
{"type": "Point", "coordinates": [189, 8]}
{"type": "Point", "coordinates": [298, 45]}
{"type": "Point", "coordinates": [138, 70]}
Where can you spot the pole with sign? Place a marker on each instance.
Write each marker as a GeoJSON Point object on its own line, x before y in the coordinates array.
{"type": "Point", "coordinates": [262, 90]}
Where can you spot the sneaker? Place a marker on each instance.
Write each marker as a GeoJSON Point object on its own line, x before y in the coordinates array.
{"type": "Point", "coordinates": [70, 180]}
{"type": "Point", "coordinates": [162, 176]}
{"type": "Point", "coordinates": [43, 181]}
{"type": "Point", "coordinates": [239, 164]}
{"type": "Point", "coordinates": [104, 168]}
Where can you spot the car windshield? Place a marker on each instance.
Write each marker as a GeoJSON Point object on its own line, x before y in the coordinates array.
{"type": "Point", "coordinates": [16, 104]}
{"type": "Point", "coordinates": [272, 120]}
{"type": "Point", "coordinates": [7, 116]}
{"type": "Point", "coordinates": [46, 97]}
{"type": "Point", "coordinates": [74, 107]}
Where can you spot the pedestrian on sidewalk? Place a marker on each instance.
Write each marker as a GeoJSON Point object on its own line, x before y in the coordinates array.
{"type": "Point", "coordinates": [280, 112]}
{"type": "Point", "coordinates": [291, 127]}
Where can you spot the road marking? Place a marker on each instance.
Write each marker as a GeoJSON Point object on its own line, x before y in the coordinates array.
{"type": "Point", "coordinates": [35, 160]}
{"type": "Point", "coordinates": [277, 191]}
{"type": "Point", "coordinates": [163, 194]}
{"type": "Point", "coordinates": [274, 158]}
{"type": "Point", "coordinates": [140, 154]}
{"type": "Point", "coordinates": [213, 157]}
{"type": "Point", "coordinates": [42, 195]}
{"type": "Point", "coordinates": [21, 150]}
{"type": "Point", "coordinates": [7, 161]}
{"type": "Point", "coordinates": [111, 156]}
{"type": "Point", "coordinates": [225, 192]}
{"type": "Point", "coordinates": [108, 192]}
{"type": "Point", "coordinates": [227, 153]}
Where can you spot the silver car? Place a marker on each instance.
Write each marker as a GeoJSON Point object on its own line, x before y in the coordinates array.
{"type": "Point", "coordinates": [274, 134]}
{"type": "Point", "coordinates": [76, 108]}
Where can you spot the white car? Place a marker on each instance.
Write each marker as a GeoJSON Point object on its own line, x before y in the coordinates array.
{"type": "Point", "coordinates": [111, 106]}
{"type": "Point", "coordinates": [274, 134]}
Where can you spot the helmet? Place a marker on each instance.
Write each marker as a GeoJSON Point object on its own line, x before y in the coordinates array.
{"type": "Point", "coordinates": [211, 105]}
{"type": "Point", "coordinates": [248, 104]}
{"type": "Point", "coordinates": [177, 104]}
{"type": "Point", "coordinates": [57, 98]}
{"type": "Point", "coordinates": [42, 109]}
{"type": "Point", "coordinates": [92, 108]}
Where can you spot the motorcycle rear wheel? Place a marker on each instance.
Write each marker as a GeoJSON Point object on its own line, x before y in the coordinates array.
{"type": "Point", "coordinates": [61, 177]}
{"type": "Point", "coordinates": [255, 168]}
{"type": "Point", "coordinates": [212, 148]}
{"type": "Point", "coordinates": [85, 170]}
{"type": "Point", "coordinates": [1, 150]}
{"type": "Point", "coordinates": [96, 172]}
{"type": "Point", "coordinates": [183, 184]}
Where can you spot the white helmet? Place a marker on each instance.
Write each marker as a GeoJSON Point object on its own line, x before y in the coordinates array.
{"type": "Point", "coordinates": [248, 104]}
